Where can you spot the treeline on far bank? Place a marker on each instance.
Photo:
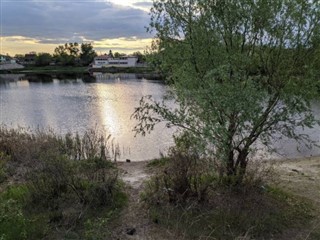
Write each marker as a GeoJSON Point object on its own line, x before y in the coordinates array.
{"type": "Point", "coordinates": [68, 54]}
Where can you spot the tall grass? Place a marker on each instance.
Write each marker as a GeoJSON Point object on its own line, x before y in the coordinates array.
{"type": "Point", "coordinates": [188, 196]}
{"type": "Point", "coordinates": [65, 179]}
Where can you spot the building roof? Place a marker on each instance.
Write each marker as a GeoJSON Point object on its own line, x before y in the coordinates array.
{"type": "Point", "coordinates": [102, 57]}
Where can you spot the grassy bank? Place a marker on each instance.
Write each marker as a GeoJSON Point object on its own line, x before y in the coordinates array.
{"type": "Point", "coordinates": [194, 204]}
{"type": "Point", "coordinates": [68, 187]}
{"type": "Point", "coordinates": [50, 69]}
{"type": "Point", "coordinates": [57, 187]}
{"type": "Point", "coordinates": [141, 70]}
{"type": "Point", "coordinates": [69, 69]}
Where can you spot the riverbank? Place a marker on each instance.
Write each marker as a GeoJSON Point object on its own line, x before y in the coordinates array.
{"type": "Point", "coordinates": [300, 177]}
{"type": "Point", "coordinates": [9, 66]}
{"type": "Point", "coordinates": [71, 69]}
{"type": "Point", "coordinates": [47, 69]}
{"type": "Point", "coordinates": [81, 194]}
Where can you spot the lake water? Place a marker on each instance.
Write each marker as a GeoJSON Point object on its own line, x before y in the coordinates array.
{"type": "Point", "coordinates": [69, 103]}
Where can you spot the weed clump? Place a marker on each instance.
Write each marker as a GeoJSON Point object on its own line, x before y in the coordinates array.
{"type": "Point", "coordinates": [189, 195]}
{"type": "Point", "coordinates": [62, 180]}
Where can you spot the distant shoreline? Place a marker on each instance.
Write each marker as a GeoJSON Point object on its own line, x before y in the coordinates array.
{"type": "Point", "coordinates": [72, 69]}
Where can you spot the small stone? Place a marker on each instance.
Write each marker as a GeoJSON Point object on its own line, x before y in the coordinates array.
{"type": "Point", "coordinates": [294, 170]}
{"type": "Point", "coordinates": [130, 231]}
{"type": "Point", "coordinates": [128, 160]}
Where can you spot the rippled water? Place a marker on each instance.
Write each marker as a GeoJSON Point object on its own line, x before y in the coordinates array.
{"type": "Point", "coordinates": [68, 103]}
{"type": "Point", "coordinates": [72, 105]}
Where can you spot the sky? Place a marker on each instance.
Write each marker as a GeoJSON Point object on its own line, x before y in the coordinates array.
{"type": "Point", "coordinates": [42, 25]}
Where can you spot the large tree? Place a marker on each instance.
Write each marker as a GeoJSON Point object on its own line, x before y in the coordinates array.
{"type": "Point", "coordinates": [242, 71]}
{"type": "Point", "coordinates": [43, 59]}
{"type": "Point", "coordinates": [67, 54]}
{"type": "Point", "coordinates": [87, 53]}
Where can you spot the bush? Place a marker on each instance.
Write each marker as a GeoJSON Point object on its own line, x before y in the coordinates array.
{"type": "Point", "coordinates": [3, 166]}
{"type": "Point", "coordinates": [59, 179]}
{"type": "Point", "coordinates": [188, 195]}
{"type": "Point", "coordinates": [185, 176]}
{"type": "Point", "coordinates": [13, 224]}
{"type": "Point", "coordinates": [64, 178]}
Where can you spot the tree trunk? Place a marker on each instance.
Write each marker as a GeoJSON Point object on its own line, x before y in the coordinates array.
{"type": "Point", "coordinates": [241, 165]}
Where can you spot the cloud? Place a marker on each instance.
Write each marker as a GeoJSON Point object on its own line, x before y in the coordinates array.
{"type": "Point", "coordinates": [18, 44]}
{"type": "Point", "coordinates": [54, 21]}
{"type": "Point", "coordinates": [143, 4]}
{"type": "Point", "coordinates": [127, 45]}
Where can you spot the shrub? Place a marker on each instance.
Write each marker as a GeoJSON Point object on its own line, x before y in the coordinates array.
{"type": "Point", "coordinates": [13, 224]}
{"type": "Point", "coordinates": [48, 183]}
{"type": "Point", "coordinates": [64, 177]}
{"type": "Point", "coordinates": [185, 175]}
{"type": "Point", "coordinates": [3, 166]}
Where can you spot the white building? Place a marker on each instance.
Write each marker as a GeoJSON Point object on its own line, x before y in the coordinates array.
{"type": "Point", "coordinates": [6, 59]}
{"type": "Point", "coordinates": [106, 61]}
{"type": "Point", "coordinates": [3, 59]}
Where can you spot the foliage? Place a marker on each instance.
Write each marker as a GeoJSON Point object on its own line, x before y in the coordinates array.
{"type": "Point", "coordinates": [257, 214]}
{"type": "Point", "coordinates": [118, 55]}
{"type": "Point", "coordinates": [110, 53]}
{"type": "Point", "coordinates": [43, 59]}
{"type": "Point", "coordinates": [3, 166]}
{"type": "Point", "coordinates": [66, 54]}
{"type": "Point", "coordinates": [13, 224]}
{"type": "Point", "coordinates": [87, 54]}
{"type": "Point", "coordinates": [184, 175]}
{"type": "Point", "coordinates": [141, 57]}
{"type": "Point", "coordinates": [241, 72]}
{"type": "Point", "coordinates": [69, 54]}
{"type": "Point", "coordinates": [66, 179]}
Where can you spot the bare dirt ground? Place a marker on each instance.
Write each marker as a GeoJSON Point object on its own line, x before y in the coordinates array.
{"type": "Point", "coordinates": [302, 177]}
{"type": "Point", "coordinates": [299, 176]}
{"type": "Point", "coordinates": [135, 217]}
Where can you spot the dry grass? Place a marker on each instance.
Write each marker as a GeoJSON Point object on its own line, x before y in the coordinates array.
{"type": "Point", "coordinates": [62, 180]}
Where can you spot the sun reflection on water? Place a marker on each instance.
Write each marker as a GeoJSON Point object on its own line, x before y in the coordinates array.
{"type": "Point", "coordinates": [113, 113]}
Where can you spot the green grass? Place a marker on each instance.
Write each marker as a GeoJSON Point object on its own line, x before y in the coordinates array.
{"type": "Point", "coordinates": [158, 162]}
{"type": "Point", "coordinates": [57, 184]}
{"type": "Point", "coordinates": [15, 221]}
{"type": "Point", "coordinates": [251, 210]}
{"type": "Point", "coordinates": [229, 216]}
{"type": "Point", "coordinates": [51, 69]}
{"type": "Point", "coordinates": [124, 70]}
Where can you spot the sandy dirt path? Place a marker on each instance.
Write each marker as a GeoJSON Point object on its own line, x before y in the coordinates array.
{"type": "Point", "coordinates": [134, 221]}
{"type": "Point", "coordinates": [299, 176]}
{"type": "Point", "coordinates": [302, 177]}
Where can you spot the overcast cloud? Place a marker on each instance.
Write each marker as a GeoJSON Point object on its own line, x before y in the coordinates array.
{"type": "Point", "coordinates": [62, 21]}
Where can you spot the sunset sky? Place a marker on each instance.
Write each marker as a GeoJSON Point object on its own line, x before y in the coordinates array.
{"type": "Point", "coordinates": [41, 25]}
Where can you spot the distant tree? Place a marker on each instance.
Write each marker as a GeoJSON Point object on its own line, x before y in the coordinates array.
{"type": "Point", "coordinates": [19, 56]}
{"type": "Point", "coordinates": [117, 55]}
{"type": "Point", "coordinates": [73, 48]}
{"type": "Point", "coordinates": [67, 54]}
{"type": "Point", "coordinates": [110, 53]}
{"type": "Point", "coordinates": [141, 57]}
{"type": "Point", "coordinates": [87, 54]}
{"type": "Point", "coordinates": [43, 59]}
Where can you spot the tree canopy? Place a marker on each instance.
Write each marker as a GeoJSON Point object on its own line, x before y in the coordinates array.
{"type": "Point", "coordinates": [70, 54]}
{"type": "Point", "coordinates": [242, 71]}
{"type": "Point", "coordinates": [43, 59]}
{"type": "Point", "coordinates": [87, 53]}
